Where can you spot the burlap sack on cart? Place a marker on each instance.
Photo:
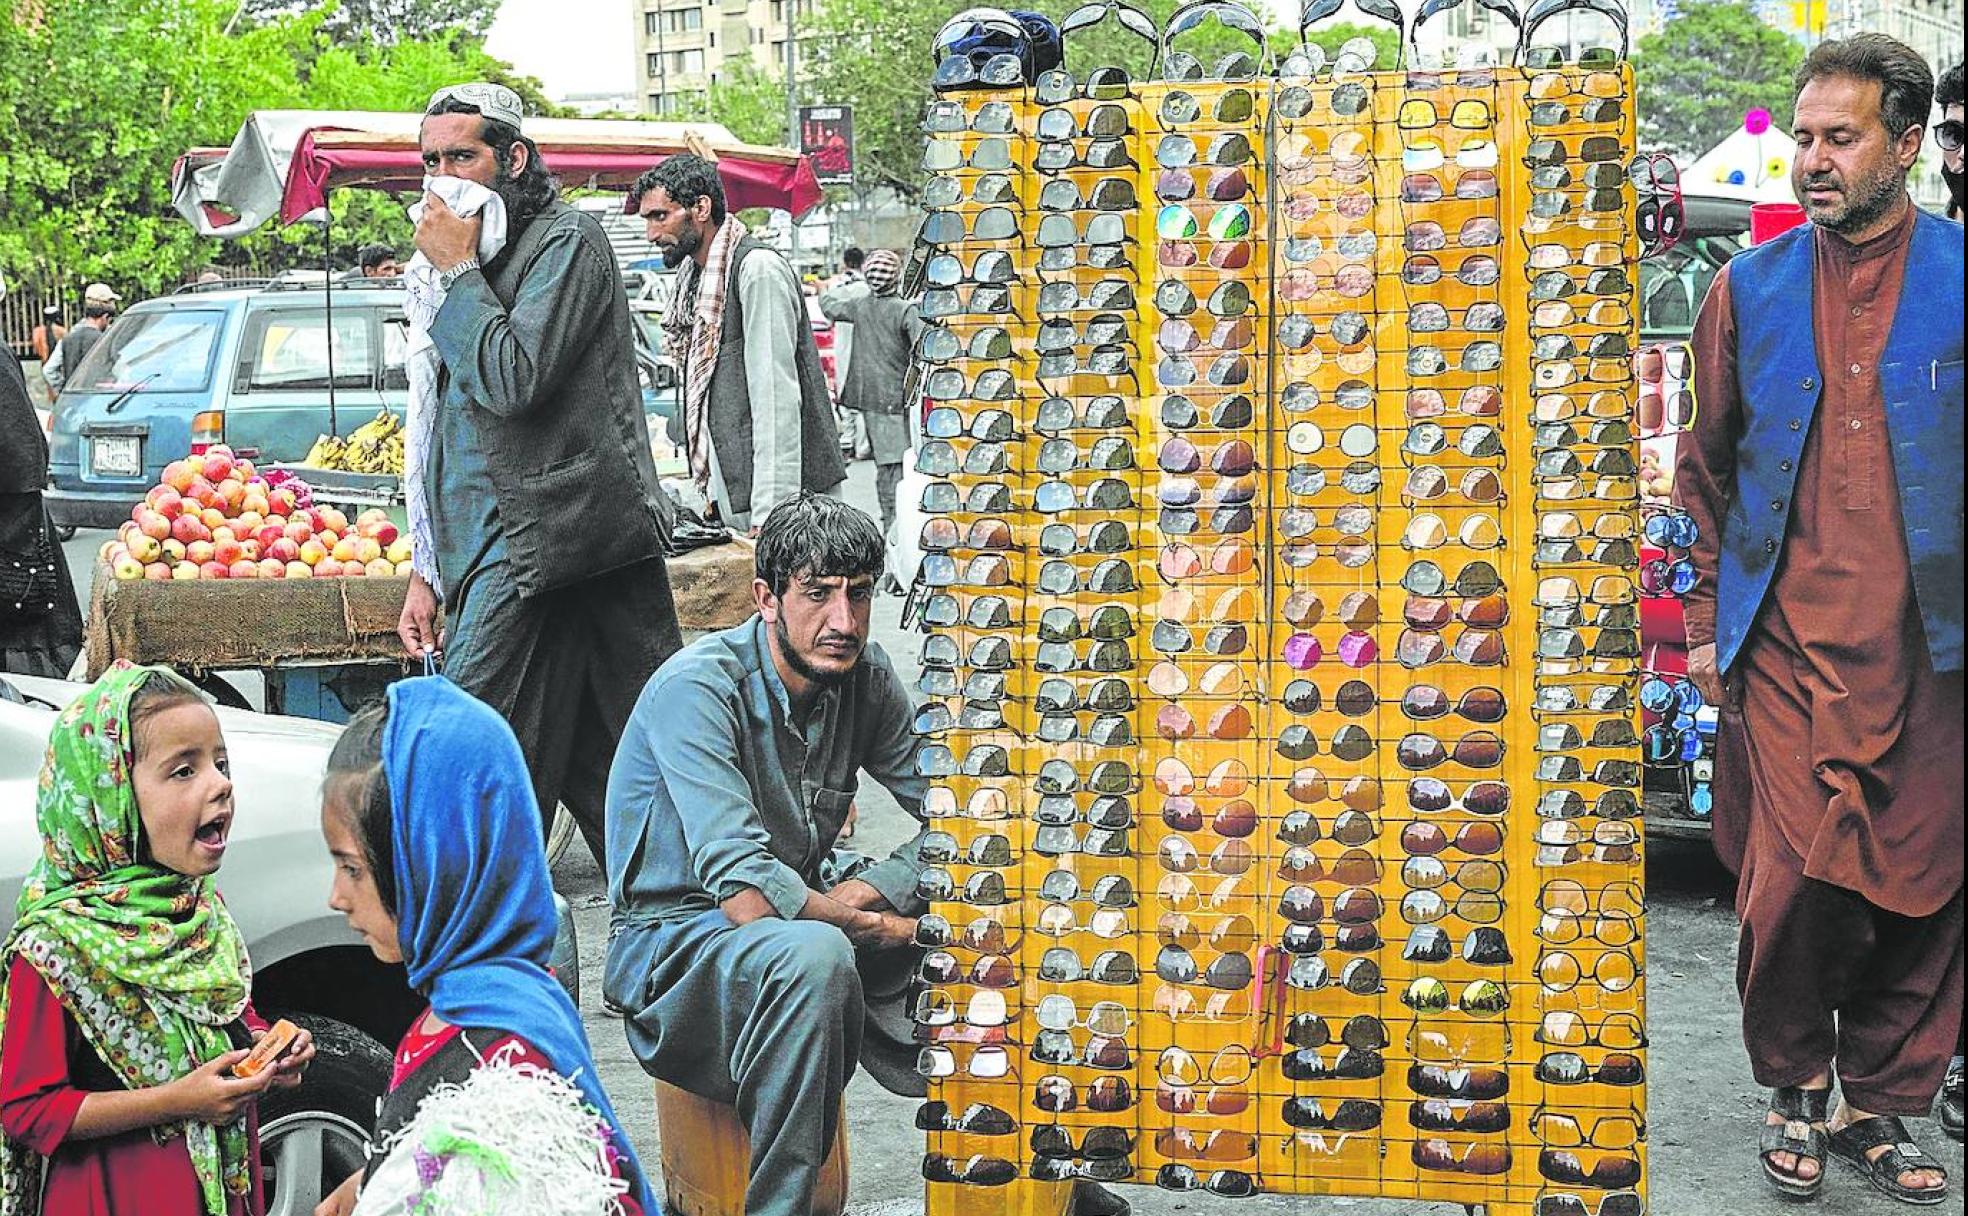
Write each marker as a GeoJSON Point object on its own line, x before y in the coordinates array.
{"type": "Point", "coordinates": [249, 623]}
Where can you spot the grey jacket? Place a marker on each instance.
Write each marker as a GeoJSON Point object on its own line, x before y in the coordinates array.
{"type": "Point", "coordinates": [885, 333]}
{"type": "Point", "coordinates": [537, 348]}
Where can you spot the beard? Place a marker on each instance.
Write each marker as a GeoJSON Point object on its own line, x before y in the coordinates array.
{"type": "Point", "coordinates": [688, 242]}
{"type": "Point", "coordinates": [1862, 201]}
{"type": "Point", "coordinates": [797, 661]}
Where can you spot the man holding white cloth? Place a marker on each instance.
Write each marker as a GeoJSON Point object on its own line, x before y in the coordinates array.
{"type": "Point", "coordinates": [536, 513]}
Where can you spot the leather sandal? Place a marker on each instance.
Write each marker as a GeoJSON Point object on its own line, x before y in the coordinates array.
{"type": "Point", "coordinates": [1800, 1109]}
{"type": "Point", "coordinates": [1852, 1142]}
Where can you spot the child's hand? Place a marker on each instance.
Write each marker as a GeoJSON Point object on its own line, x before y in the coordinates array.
{"type": "Point", "coordinates": [211, 1094]}
{"type": "Point", "coordinates": [293, 1062]}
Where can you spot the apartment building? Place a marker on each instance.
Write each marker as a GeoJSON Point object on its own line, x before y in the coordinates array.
{"type": "Point", "coordinates": [683, 47]}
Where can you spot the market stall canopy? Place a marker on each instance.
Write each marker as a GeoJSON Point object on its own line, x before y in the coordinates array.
{"type": "Point", "coordinates": [1745, 166]}
{"type": "Point", "coordinates": [283, 162]}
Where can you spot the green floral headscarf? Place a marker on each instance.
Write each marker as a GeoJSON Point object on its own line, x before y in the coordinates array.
{"type": "Point", "coordinates": [146, 960]}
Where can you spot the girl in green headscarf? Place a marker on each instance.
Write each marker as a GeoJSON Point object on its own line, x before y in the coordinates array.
{"type": "Point", "coordinates": [126, 979]}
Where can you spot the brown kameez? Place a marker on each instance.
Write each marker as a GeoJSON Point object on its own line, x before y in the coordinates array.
{"type": "Point", "coordinates": [1851, 841]}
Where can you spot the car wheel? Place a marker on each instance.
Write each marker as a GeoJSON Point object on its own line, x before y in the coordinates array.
{"type": "Point", "coordinates": [562, 832]}
{"type": "Point", "coordinates": [66, 532]}
{"type": "Point", "coordinates": [312, 1137]}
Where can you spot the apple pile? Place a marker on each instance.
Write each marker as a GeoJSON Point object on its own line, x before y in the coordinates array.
{"type": "Point", "coordinates": [212, 516]}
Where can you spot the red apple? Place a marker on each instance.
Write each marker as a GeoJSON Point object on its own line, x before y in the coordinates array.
{"type": "Point", "coordinates": [253, 550]}
{"type": "Point", "coordinates": [228, 552]}
{"type": "Point", "coordinates": [232, 492]}
{"type": "Point", "coordinates": [282, 500]}
{"type": "Point", "coordinates": [146, 548]}
{"type": "Point", "coordinates": [199, 552]}
{"type": "Point", "coordinates": [218, 464]}
{"type": "Point", "coordinates": [300, 531]}
{"type": "Point", "coordinates": [185, 529]}
{"type": "Point", "coordinates": [153, 523]}
{"type": "Point", "coordinates": [213, 570]}
{"type": "Point", "coordinates": [158, 572]}
{"type": "Point", "coordinates": [284, 549]}
{"type": "Point", "coordinates": [266, 534]}
{"type": "Point", "coordinates": [174, 551]}
{"type": "Point", "coordinates": [165, 500]}
{"type": "Point", "coordinates": [270, 568]}
{"type": "Point", "coordinates": [354, 570]}
{"type": "Point", "coordinates": [328, 567]}
{"type": "Point", "coordinates": [248, 522]}
{"type": "Point", "coordinates": [333, 519]}
{"type": "Point", "coordinates": [244, 471]}
{"type": "Point", "coordinates": [243, 569]}
{"type": "Point", "coordinates": [212, 517]}
{"type": "Point", "coordinates": [255, 505]}
{"type": "Point", "coordinates": [224, 532]}
{"type": "Point", "coordinates": [179, 474]}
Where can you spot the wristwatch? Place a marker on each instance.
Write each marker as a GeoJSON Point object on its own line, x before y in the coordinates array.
{"type": "Point", "coordinates": [448, 277]}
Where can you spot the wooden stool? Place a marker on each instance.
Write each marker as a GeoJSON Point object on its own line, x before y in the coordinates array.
{"type": "Point", "coordinates": [707, 1158]}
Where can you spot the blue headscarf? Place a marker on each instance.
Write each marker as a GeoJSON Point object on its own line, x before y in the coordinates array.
{"type": "Point", "coordinates": [475, 910]}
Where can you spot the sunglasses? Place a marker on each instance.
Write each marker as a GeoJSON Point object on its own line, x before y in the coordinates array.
{"type": "Point", "coordinates": [1057, 1095]}
{"type": "Point", "coordinates": [971, 1171]}
{"type": "Point", "coordinates": [977, 1119]}
{"type": "Point", "coordinates": [1619, 1203]}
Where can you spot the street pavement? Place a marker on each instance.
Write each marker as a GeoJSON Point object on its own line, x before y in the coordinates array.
{"type": "Point", "coordinates": [1703, 1107]}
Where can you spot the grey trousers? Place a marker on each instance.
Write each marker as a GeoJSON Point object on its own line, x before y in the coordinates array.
{"type": "Point", "coordinates": [565, 669]}
{"type": "Point", "coordinates": [765, 1017]}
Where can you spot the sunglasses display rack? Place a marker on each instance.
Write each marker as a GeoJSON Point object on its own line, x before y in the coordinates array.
{"type": "Point", "coordinates": [1282, 667]}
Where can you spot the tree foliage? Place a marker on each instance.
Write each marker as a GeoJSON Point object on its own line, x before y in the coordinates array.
{"type": "Point", "coordinates": [364, 22]}
{"type": "Point", "coordinates": [1701, 72]}
{"type": "Point", "coordinates": [98, 99]}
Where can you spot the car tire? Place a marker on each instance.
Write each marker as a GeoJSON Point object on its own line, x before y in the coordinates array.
{"type": "Point", "coordinates": [313, 1137]}
{"type": "Point", "coordinates": [65, 532]}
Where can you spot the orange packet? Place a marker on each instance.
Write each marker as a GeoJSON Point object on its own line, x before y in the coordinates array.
{"type": "Point", "coordinates": [271, 1047]}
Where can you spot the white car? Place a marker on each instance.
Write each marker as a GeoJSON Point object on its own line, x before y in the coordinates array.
{"type": "Point", "coordinates": [308, 965]}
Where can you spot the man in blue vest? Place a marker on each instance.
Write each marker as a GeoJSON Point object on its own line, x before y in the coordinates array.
{"type": "Point", "coordinates": [1824, 475]}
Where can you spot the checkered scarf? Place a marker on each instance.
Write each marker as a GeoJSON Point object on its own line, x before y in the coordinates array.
{"type": "Point", "coordinates": [698, 330]}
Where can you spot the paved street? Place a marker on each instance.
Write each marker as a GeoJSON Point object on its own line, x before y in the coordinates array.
{"type": "Point", "coordinates": [1704, 1108]}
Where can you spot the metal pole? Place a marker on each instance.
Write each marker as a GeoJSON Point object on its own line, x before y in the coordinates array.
{"type": "Point", "coordinates": [792, 84]}
{"type": "Point", "coordinates": [328, 307]}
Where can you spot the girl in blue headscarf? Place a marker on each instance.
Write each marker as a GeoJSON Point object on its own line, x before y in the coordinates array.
{"type": "Point", "coordinates": [429, 814]}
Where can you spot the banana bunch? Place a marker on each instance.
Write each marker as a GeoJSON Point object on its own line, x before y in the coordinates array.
{"type": "Point", "coordinates": [375, 447]}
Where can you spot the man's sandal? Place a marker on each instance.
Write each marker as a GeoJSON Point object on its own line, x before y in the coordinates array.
{"type": "Point", "coordinates": [1800, 1109]}
{"type": "Point", "coordinates": [1852, 1142]}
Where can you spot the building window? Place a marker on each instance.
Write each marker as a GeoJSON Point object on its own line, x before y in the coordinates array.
{"type": "Point", "coordinates": [655, 68]}
{"type": "Point", "coordinates": [687, 62]}
{"type": "Point", "coordinates": [684, 20]}
{"type": "Point", "coordinates": [650, 22]}
{"type": "Point", "coordinates": [778, 12]}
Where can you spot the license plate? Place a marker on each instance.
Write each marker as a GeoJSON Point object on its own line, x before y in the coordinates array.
{"type": "Point", "coordinates": [116, 455]}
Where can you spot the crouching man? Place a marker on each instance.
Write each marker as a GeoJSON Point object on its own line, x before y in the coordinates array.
{"type": "Point", "coordinates": [750, 971]}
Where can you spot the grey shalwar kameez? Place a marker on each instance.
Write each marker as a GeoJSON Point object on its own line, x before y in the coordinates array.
{"type": "Point", "coordinates": [545, 511]}
{"type": "Point", "coordinates": [719, 786]}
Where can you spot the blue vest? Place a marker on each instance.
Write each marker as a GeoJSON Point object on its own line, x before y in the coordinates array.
{"type": "Point", "coordinates": [1778, 379]}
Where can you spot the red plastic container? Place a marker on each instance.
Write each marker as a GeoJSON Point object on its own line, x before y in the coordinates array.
{"type": "Point", "coordinates": [1768, 221]}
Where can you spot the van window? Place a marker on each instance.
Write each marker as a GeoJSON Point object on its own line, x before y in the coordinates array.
{"type": "Point", "coordinates": [396, 354]}
{"type": "Point", "coordinates": [287, 351]}
{"type": "Point", "coordinates": [164, 351]}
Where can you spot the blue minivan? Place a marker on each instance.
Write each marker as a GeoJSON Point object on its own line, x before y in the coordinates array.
{"type": "Point", "coordinates": [247, 366]}
{"type": "Point", "coordinates": [243, 366]}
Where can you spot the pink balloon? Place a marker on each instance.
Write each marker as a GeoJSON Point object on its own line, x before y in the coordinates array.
{"type": "Point", "coordinates": [1757, 121]}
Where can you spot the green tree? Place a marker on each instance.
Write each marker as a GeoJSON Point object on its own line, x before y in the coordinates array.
{"type": "Point", "coordinates": [749, 101]}
{"type": "Point", "coordinates": [365, 22]}
{"type": "Point", "coordinates": [1705, 69]}
{"type": "Point", "coordinates": [98, 99]}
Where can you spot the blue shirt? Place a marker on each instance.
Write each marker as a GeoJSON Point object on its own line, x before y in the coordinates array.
{"type": "Point", "coordinates": [717, 786]}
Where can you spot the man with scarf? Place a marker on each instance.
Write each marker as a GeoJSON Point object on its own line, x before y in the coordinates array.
{"type": "Point", "coordinates": [546, 520]}
{"type": "Point", "coordinates": [1824, 478]}
{"type": "Point", "coordinates": [758, 423]}
{"type": "Point", "coordinates": [885, 332]}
